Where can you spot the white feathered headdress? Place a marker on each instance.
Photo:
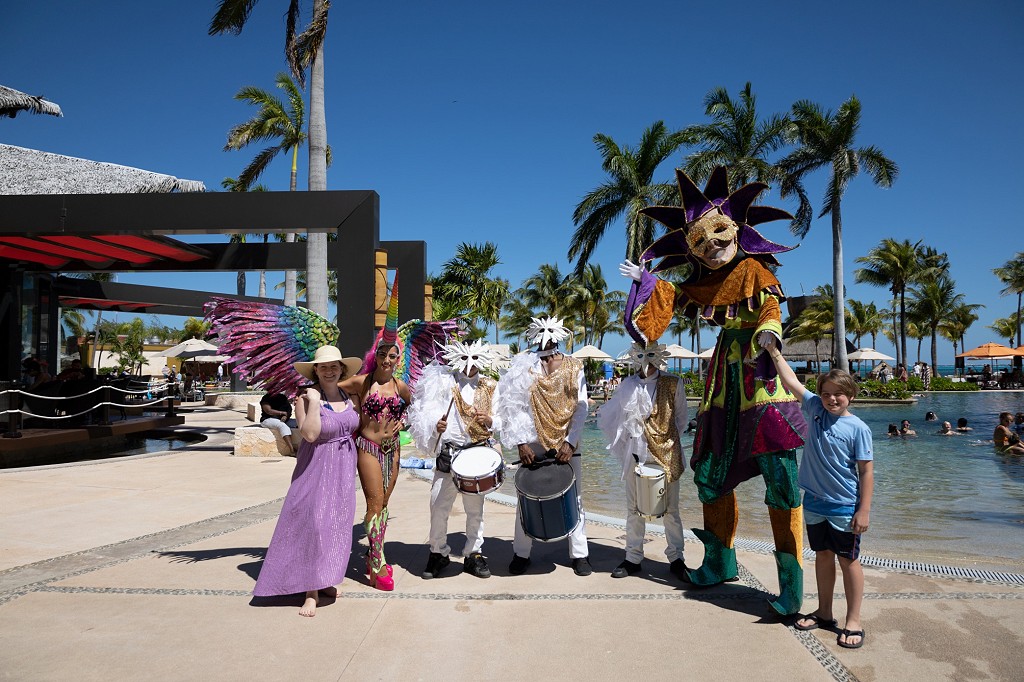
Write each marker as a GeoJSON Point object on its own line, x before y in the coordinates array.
{"type": "Point", "coordinates": [464, 357]}
{"type": "Point", "coordinates": [545, 330]}
{"type": "Point", "coordinates": [652, 354]}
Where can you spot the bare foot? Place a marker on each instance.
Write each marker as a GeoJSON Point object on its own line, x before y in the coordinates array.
{"type": "Point", "coordinates": [330, 592]}
{"type": "Point", "coordinates": [309, 606]}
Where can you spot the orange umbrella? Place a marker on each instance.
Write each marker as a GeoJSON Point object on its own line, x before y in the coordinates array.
{"type": "Point", "coordinates": [989, 351]}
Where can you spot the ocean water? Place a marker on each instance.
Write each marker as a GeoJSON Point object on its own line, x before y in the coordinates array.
{"type": "Point", "coordinates": [941, 499]}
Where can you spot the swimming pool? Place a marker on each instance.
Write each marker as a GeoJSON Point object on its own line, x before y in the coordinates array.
{"type": "Point", "coordinates": [943, 499]}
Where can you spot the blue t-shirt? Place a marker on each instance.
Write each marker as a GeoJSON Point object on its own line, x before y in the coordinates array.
{"type": "Point", "coordinates": [828, 470]}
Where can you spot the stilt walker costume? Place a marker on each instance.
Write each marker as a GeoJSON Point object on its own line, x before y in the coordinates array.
{"type": "Point", "coordinates": [453, 408]}
{"type": "Point", "coordinates": [748, 423]}
{"type": "Point", "coordinates": [643, 422]}
{"type": "Point", "coordinates": [542, 409]}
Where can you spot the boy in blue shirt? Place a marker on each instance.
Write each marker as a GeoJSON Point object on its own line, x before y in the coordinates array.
{"type": "Point", "coordinates": [837, 477]}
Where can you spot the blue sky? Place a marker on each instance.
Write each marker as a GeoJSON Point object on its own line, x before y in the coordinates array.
{"type": "Point", "coordinates": [474, 121]}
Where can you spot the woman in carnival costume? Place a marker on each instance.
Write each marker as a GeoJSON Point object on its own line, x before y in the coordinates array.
{"type": "Point", "coordinates": [383, 400]}
{"type": "Point", "coordinates": [748, 424]}
{"type": "Point", "coordinates": [312, 542]}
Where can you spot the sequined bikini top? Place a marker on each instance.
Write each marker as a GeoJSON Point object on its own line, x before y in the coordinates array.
{"type": "Point", "coordinates": [379, 408]}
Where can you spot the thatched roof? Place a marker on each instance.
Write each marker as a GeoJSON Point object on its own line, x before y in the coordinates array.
{"type": "Point", "coordinates": [28, 171]}
{"type": "Point", "coordinates": [799, 351]}
{"type": "Point", "coordinates": [12, 101]}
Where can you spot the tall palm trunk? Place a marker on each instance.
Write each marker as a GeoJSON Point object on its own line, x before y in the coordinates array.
{"type": "Point", "coordinates": [839, 298]}
{"type": "Point", "coordinates": [263, 273]}
{"type": "Point", "coordinates": [240, 282]}
{"type": "Point", "coordinates": [289, 238]}
{"type": "Point", "coordinates": [316, 246]}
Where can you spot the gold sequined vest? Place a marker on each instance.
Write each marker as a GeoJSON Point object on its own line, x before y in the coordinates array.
{"type": "Point", "coordinates": [481, 403]}
{"type": "Point", "coordinates": [554, 397]}
{"type": "Point", "coordinates": [660, 428]}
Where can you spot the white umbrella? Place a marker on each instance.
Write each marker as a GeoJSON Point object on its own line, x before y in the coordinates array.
{"type": "Point", "coordinates": [677, 351]}
{"type": "Point", "coordinates": [706, 353]}
{"type": "Point", "coordinates": [591, 353]}
{"type": "Point", "coordinates": [868, 354]}
{"type": "Point", "coordinates": [189, 349]}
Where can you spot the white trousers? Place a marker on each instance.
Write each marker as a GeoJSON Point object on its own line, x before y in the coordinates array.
{"type": "Point", "coordinates": [275, 424]}
{"type": "Point", "coordinates": [523, 543]}
{"type": "Point", "coordinates": [442, 496]}
{"type": "Point", "coordinates": [636, 525]}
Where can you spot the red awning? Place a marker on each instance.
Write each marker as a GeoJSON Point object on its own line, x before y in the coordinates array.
{"type": "Point", "coordinates": [103, 304]}
{"type": "Point", "coordinates": [73, 252]}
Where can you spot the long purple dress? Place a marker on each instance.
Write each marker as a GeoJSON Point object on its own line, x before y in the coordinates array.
{"type": "Point", "coordinates": [313, 539]}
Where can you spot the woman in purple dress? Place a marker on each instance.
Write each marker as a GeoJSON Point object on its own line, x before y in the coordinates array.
{"type": "Point", "coordinates": [312, 542]}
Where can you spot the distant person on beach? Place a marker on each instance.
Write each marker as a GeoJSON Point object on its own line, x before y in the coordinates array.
{"type": "Point", "coordinates": [947, 430]}
{"type": "Point", "coordinates": [905, 429]}
{"type": "Point", "coordinates": [894, 431]}
{"type": "Point", "coordinates": [901, 373]}
{"type": "Point", "coordinates": [838, 480]}
{"type": "Point", "coordinates": [961, 425]}
{"type": "Point", "coordinates": [1006, 441]}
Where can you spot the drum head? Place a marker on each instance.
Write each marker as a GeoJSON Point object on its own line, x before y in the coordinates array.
{"type": "Point", "coordinates": [649, 470]}
{"type": "Point", "coordinates": [544, 481]}
{"type": "Point", "coordinates": [477, 461]}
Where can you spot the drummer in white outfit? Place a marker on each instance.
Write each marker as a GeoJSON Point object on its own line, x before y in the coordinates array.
{"type": "Point", "coordinates": [453, 404]}
{"type": "Point", "coordinates": [643, 422]}
{"type": "Point", "coordinates": [555, 382]}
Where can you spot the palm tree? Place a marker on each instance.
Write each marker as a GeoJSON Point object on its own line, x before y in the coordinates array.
{"type": "Point", "coordinates": [1012, 275]}
{"type": "Point", "coordinates": [544, 291]}
{"type": "Point", "coordinates": [629, 188]}
{"type": "Point", "coordinates": [592, 304]}
{"type": "Point", "coordinates": [934, 301]}
{"type": "Point", "coordinates": [893, 265]}
{"type": "Point", "coordinates": [739, 141]}
{"type": "Point", "coordinates": [466, 280]}
{"type": "Point", "coordinates": [1006, 327]}
{"type": "Point", "coordinates": [282, 126]}
{"type": "Point", "coordinates": [301, 51]}
{"type": "Point", "coordinates": [864, 318]}
{"type": "Point", "coordinates": [957, 322]}
{"type": "Point", "coordinates": [827, 140]}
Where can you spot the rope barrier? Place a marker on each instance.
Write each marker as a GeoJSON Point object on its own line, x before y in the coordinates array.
{"type": "Point", "coordinates": [78, 414]}
{"type": "Point", "coordinates": [18, 391]}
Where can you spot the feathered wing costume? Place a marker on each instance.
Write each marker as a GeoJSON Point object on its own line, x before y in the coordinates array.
{"type": "Point", "coordinates": [748, 424]}
{"type": "Point", "coordinates": [265, 340]}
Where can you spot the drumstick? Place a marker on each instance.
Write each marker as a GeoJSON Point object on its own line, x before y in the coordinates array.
{"type": "Point", "coordinates": [446, 413]}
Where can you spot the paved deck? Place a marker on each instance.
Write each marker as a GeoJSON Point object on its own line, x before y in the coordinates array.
{"type": "Point", "coordinates": [142, 568]}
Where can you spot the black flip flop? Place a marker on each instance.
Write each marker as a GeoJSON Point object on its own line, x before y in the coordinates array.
{"type": "Point", "coordinates": [848, 634]}
{"type": "Point", "coordinates": [819, 622]}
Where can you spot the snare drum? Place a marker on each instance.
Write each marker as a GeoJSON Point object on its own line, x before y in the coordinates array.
{"type": "Point", "coordinates": [651, 501]}
{"type": "Point", "coordinates": [478, 470]}
{"type": "Point", "coordinates": [549, 506]}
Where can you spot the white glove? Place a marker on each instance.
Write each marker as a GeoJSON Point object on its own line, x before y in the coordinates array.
{"type": "Point", "coordinates": [767, 340]}
{"type": "Point", "coordinates": [630, 269]}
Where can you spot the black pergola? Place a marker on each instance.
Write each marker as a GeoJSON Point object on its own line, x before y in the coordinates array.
{"type": "Point", "coordinates": [45, 235]}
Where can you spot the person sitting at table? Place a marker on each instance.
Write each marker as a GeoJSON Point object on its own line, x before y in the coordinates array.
{"type": "Point", "coordinates": [275, 412]}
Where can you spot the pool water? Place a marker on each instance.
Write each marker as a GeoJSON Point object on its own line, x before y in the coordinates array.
{"type": "Point", "coordinates": [938, 499]}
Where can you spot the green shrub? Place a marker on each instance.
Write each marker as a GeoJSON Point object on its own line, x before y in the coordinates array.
{"type": "Point", "coordinates": [945, 384]}
{"type": "Point", "coordinates": [812, 383]}
{"type": "Point", "coordinates": [894, 390]}
{"type": "Point", "coordinates": [914, 383]}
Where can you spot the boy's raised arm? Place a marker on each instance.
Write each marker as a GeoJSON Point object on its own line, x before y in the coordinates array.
{"type": "Point", "coordinates": [786, 373]}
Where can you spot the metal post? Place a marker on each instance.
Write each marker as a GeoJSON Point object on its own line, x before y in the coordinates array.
{"type": "Point", "coordinates": [170, 406]}
{"type": "Point", "coordinates": [105, 407]}
{"type": "Point", "coordinates": [13, 415]}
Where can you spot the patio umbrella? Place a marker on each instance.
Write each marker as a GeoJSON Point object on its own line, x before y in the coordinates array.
{"type": "Point", "coordinates": [589, 352]}
{"type": "Point", "coordinates": [187, 350]}
{"type": "Point", "coordinates": [706, 353]}
{"type": "Point", "coordinates": [868, 354]}
{"type": "Point", "coordinates": [989, 351]}
{"type": "Point", "coordinates": [677, 351]}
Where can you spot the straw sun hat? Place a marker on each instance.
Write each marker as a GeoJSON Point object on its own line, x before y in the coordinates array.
{"type": "Point", "coordinates": [328, 354]}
